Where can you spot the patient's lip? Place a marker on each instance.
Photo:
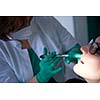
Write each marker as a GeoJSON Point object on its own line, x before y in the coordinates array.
{"type": "Point", "coordinates": [81, 61]}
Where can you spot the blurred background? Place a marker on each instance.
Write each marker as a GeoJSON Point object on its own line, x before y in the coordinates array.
{"type": "Point", "coordinates": [83, 28]}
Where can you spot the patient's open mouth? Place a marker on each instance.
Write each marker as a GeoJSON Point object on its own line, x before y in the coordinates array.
{"type": "Point", "coordinates": [81, 61]}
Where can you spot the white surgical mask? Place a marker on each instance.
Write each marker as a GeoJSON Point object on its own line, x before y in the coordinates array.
{"type": "Point", "coordinates": [22, 34]}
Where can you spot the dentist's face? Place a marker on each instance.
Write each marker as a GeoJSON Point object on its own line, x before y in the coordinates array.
{"type": "Point", "coordinates": [89, 65]}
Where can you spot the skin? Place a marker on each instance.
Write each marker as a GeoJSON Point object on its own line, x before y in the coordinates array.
{"type": "Point", "coordinates": [89, 65]}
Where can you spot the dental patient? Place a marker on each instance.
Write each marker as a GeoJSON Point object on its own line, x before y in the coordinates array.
{"type": "Point", "coordinates": [88, 66]}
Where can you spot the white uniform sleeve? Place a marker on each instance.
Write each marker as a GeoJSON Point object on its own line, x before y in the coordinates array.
{"type": "Point", "coordinates": [65, 37]}
{"type": "Point", "coordinates": [6, 73]}
{"type": "Point", "coordinates": [55, 31]}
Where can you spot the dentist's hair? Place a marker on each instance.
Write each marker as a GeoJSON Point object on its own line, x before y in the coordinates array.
{"type": "Point", "coordinates": [11, 24]}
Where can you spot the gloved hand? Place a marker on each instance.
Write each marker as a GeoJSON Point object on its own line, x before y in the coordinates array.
{"type": "Point", "coordinates": [74, 55]}
{"type": "Point", "coordinates": [47, 69]}
{"type": "Point", "coordinates": [45, 53]}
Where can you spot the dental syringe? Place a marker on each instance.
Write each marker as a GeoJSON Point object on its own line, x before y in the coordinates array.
{"type": "Point", "coordinates": [63, 55]}
{"type": "Point", "coordinates": [58, 55]}
{"type": "Point", "coordinates": [67, 55]}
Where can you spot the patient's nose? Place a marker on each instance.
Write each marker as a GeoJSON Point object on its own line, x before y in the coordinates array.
{"type": "Point", "coordinates": [85, 49]}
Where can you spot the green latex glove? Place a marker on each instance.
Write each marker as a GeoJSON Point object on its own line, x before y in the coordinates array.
{"type": "Point", "coordinates": [45, 51]}
{"type": "Point", "coordinates": [47, 69]}
{"type": "Point", "coordinates": [74, 54]}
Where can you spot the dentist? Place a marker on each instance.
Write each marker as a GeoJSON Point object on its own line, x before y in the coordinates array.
{"type": "Point", "coordinates": [22, 40]}
{"type": "Point", "coordinates": [18, 61]}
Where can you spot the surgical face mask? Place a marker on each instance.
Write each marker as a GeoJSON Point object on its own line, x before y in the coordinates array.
{"type": "Point", "coordinates": [22, 34]}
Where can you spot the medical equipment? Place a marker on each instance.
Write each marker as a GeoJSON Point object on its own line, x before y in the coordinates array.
{"type": "Point", "coordinates": [46, 52]}
{"type": "Point", "coordinates": [59, 55]}
{"type": "Point", "coordinates": [62, 55]}
{"type": "Point", "coordinates": [66, 55]}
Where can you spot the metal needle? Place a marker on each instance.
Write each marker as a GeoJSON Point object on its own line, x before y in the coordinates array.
{"type": "Point", "coordinates": [62, 55]}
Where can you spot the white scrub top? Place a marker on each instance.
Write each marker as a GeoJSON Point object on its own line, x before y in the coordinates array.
{"type": "Point", "coordinates": [15, 65]}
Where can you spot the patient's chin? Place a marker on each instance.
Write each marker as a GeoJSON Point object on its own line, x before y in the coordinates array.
{"type": "Point", "coordinates": [79, 71]}
{"type": "Point", "coordinates": [76, 69]}
{"type": "Point", "coordinates": [92, 76]}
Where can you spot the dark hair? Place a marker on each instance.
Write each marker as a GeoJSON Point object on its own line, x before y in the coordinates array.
{"type": "Point", "coordinates": [10, 24]}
